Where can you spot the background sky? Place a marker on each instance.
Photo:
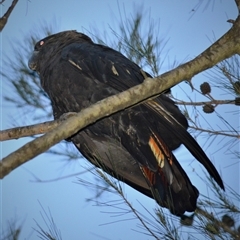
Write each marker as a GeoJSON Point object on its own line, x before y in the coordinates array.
{"type": "Point", "coordinates": [187, 35]}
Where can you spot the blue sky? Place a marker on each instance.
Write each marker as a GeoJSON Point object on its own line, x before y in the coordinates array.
{"type": "Point", "coordinates": [187, 34]}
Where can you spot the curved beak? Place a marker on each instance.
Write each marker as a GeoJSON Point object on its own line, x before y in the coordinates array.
{"type": "Point", "coordinates": [32, 62]}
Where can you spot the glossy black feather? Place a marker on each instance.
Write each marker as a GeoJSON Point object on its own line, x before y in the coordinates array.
{"type": "Point", "coordinates": [133, 145]}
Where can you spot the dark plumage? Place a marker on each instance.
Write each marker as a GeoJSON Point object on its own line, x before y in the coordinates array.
{"type": "Point", "coordinates": [134, 145]}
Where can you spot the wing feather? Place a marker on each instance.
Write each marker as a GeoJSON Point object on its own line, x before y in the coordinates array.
{"type": "Point", "coordinates": [123, 74]}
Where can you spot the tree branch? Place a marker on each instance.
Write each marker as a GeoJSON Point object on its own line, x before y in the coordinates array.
{"type": "Point", "coordinates": [225, 47]}
{"type": "Point", "coordinates": [19, 132]}
{"type": "Point", "coordinates": [41, 128]}
{"type": "Point", "coordinates": [4, 18]}
{"type": "Point", "coordinates": [238, 5]}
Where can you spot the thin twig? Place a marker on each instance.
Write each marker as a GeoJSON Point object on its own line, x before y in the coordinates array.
{"type": "Point", "coordinates": [217, 102]}
{"type": "Point", "coordinates": [133, 210]}
{"type": "Point", "coordinates": [215, 132]}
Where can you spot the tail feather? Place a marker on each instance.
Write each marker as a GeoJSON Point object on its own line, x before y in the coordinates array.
{"type": "Point", "coordinates": [177, 130]}
{"type": "Point", "coordinates": [169, 183]}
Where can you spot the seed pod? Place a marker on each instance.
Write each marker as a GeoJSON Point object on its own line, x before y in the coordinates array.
{"type": "Point", "coordinates": [236, 87]}
{"type": "Point", "coordinates": [187, 220]}
{"type": "Point", "coordinates": [228, 221]}
{"type": "Point", "coordinates": [205, 88]}
{"type": "Point", "coordinates": [208, 108]}
{"type": "Point", "coordinates": [237, 101]}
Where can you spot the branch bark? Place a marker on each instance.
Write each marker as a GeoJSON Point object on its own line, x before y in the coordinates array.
{"type": "Point", "coordinates": [19, 132]}
{"type": "Point", "coordinates": [225, 47]}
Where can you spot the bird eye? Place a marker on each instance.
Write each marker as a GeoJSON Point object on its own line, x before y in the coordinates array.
{"type": "Point", "coordinates": [39, 45]}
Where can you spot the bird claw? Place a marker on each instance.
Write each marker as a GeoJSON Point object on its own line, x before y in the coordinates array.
{"type": "Point", "coordinates": [67, 115]}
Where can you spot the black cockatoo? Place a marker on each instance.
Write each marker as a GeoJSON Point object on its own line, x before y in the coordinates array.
{"type": "Point", "coordinates": [134, 145]}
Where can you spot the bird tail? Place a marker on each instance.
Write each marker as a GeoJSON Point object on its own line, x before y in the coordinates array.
{"type": "Point", "coordinates": [175, 128]}
{"type": "Point", "coordinates": [168, 182]}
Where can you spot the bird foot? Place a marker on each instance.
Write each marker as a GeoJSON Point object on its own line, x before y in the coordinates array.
{"type": "Point", "coordinates": [67, 115]}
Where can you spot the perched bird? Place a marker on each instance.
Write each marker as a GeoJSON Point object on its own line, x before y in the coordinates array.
{"type": "Point", "coordinates": [134, 145]}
